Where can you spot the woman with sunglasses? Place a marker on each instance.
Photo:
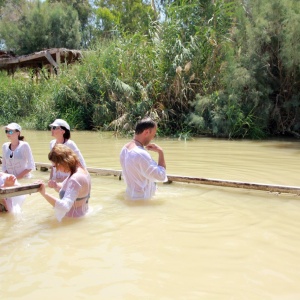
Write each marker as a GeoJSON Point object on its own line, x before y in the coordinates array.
{"type": "Point", "coordinates": [75, 189]}
{"type": "Point", "coordinates": [60, 130]}
{"type": "Point", "coordinates": [17, 158]}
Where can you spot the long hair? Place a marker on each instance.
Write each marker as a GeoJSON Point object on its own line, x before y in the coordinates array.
{"type": "Point", "coordinates": [20, 137]}
{"type": "Point", "coordinates": [63, 155]}
{"type": "Point", "coordinates": [67, 134]}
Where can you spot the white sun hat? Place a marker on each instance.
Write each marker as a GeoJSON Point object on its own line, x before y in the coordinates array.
{"type": "Point", "coordinates": [14, 126]}
{"type": "Point", "coordinates": [60, 122]}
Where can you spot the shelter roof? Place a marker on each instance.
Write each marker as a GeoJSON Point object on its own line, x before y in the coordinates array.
{"type": "Point", "coordinates": [54, 56]}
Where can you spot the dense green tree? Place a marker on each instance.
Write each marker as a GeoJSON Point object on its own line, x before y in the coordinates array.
{"type": "Point", "coordinates": [85, 15]}
{"type": "Point", "coordinates": [192, 43]}
{"type": "Point", "coordinates": [83, 8]}
{"type": "Point", "coordinates": [63, 27]}
{"type": "Point", "coordinates": [226, 68]}
{"type": "Point", "coordinates": [125, 16]}
{"type": "Point", "coordinates": [269, 44]}
{"type": "Point", "coordinates": [32, 29]}
{"type": "Point", "coordinates": [38, 25]}
{"type": "Point", "coordinates": [11, 14]}
{"type": "Point", "coordinates": [258, 85]}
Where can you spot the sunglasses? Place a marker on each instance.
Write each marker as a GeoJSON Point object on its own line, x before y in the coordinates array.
{"type": "Point", "coordinates": [55, 127]}
{"type": "Point", "coordinates": [9, 131]}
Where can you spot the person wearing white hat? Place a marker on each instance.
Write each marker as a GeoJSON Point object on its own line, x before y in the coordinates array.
{"type": "Point", "coordinates": [60, 123]}
{"type": "Point", "coordinates": [17, 158]}
{"type": "Point", "coordinates": [60, 130]}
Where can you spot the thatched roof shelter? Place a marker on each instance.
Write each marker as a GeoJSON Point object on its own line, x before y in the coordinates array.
{"type": "Point", "coordinates": [50, 59]}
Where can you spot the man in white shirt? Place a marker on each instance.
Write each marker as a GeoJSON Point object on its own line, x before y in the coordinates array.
{"type": "Point", "coordinates": [139, 170]}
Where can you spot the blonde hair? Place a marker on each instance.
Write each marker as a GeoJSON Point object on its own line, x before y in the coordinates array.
{"type": "Point", "coordinates": [63, 155]}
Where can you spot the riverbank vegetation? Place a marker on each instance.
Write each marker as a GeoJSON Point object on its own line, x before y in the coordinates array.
{"type": "Point", "coordinates": [199, 67]}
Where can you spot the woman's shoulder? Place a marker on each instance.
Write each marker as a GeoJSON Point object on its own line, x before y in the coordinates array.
{"type": "Point", "coordinates": [52, 143]}
{"type": "Point", "coordinates": [71, 144]}
{"type": "Point", "coordinates": [24, 144]}
{"type": "Point", "coordinates": [81, 174]}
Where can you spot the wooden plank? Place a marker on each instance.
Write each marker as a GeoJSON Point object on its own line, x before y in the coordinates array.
{"type": "Point", "coordinates": [19, 190]}
{"type": "Point", "coordinates": [236, 184]}
{"type": "Point", "coordinates": [50, 59]}
{"type": "Point", "coordinates": [58, 54]}
{"type": "Point", "coordinates": [105, 172]}
{"type": "Point", "coordinates": [92, 170]}
{"type": "Point", "coordinates": [205, 181]}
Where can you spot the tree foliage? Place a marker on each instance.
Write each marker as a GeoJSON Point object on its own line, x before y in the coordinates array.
{"type": "Point", "coordinates": [83, 8]}
{"type": "Point", "coordinates": [267, 40]}
{"type": "Point", "coordinates": [225, 68]}
{"type": "Point", "coordinates": [126, 16]}
{"type": "Point", "coordinates": [34, 26]}
{"type": "Point", "coordinates": [258, 86]}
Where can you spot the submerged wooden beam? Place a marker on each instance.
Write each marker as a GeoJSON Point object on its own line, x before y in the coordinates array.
{"type": "Point", "coordinates": [199, 180]}
{"type": "Point", "coordinates": [92, 170]}
{"type": "Point", "coordinates": [19, 190]}
{"type": "Point", "coordinates": [237, 184]}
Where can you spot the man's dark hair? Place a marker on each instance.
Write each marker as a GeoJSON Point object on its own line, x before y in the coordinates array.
{"type": "Point", "coordinates": [144, 124]}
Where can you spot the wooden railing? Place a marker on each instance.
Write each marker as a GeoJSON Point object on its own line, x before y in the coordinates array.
{"type": "Point", "coordinates": [197, 180]}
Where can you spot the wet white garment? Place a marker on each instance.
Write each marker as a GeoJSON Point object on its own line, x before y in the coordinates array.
{"type": "Point", "coordinates": [140, 173]}
{"type": "Point", "coordinates": [15, 162]}
{"type": "Point", "coordinates": [58, 175]}
{"type": "Point", "coordinates": [12, 204]}
{"type": "Point", "coordinates": [75, 188]}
